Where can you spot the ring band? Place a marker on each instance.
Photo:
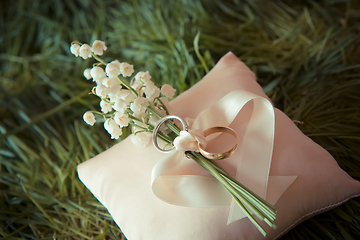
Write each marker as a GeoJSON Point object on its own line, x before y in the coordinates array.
{"type": "Point", "coordinates": [157, 127]}
{"type": "Point", "coordinates": [219, 156]}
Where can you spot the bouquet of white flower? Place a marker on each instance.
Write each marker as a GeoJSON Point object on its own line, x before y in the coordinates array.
{"type": "Point", "coordinates": [140, 104]}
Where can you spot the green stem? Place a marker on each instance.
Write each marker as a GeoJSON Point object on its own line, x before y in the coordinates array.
{"type": "Point", "coordinates": [173, 127]}
{"type": "Point", "coordinates": [135, 125]}
{"type": "Point", "coordinates": [262, 205]}
{"type": "Point", "coordinates": [127, 85]}
{"type": "Point", "coordinates": [227, 185]}
{"type": "Point", "coordinates": [160, 135]}
{"type": "Point", "coordinates": [165, 139]}
{"type": "Point", "coordinates": [257, 225]}
{"type": "Point", "coordinates": [269, 215]}
{"type": "Point", "coordinates": [97, 58]}
{"type": "Point", "coordinates": [102, 114]}
{"type": "Point", "coordinates": [245, 189]}
{"type": "Point", "coordinates": [165, 108]}
{"type": "Point", "coordinates": [238, 198]}
{"type": "Point", "coordinates": [135, 118]}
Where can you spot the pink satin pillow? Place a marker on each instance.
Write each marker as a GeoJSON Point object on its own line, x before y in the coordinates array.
{"type": "Point", "coordinates": [120, 177]}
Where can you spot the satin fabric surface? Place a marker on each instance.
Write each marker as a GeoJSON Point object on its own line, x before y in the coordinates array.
{"type": "Point", "coordinates": [120, 177]}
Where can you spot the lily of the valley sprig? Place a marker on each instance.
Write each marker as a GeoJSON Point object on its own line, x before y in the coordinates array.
{"type": "Point", "coordinates": [139, 103]}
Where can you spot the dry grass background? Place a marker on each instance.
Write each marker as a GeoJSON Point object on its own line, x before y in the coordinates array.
{"type": "Point", "coordinates": [305, 53]}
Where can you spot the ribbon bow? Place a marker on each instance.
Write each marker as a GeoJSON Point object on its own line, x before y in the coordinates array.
{"type": "Point", "coordinates": [252, 159]}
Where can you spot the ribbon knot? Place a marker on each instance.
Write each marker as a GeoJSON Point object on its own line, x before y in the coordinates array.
{"type": "Point", "coordinates": [189, 141]}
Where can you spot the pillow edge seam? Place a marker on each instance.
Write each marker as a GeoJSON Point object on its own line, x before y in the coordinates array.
{"type": "Point", "coordinates": [318, 211]}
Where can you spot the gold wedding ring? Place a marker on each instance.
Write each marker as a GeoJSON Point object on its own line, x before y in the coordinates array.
{"type": "Point", "coordinates": [219, 156]}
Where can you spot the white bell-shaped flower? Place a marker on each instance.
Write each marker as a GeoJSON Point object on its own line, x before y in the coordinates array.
{"type": "Point", "coordinates": [85, 51]}
{"type": "Point", "coordinates": [126, 69]}
{"type": "Point", "coordinates": [113, 69]}
{"type": "Point", "coordinates": [139, 114]}
{"type": "Point", "coordinates": [137, 85]}
{"type": "Point", "coordinates": [110, 81]}
{"type": "Point", "coordinates": [143, 77]}
{"type": "Point", "coordinates": [116, 62]}
{"type": "Point", "coordinates": [87, 74]}
{"type": "Point", "coordinates": [98, 47]}
{"type": "Point", "coordinates": [141, 139]}
{"type": "Point", "coordinates": [122, 119]}
{"type": "Point", "coordinates": [120, 105]}
{"type": "Point", "coordinates": [105, 106]}
{"type": "Point", "coordinates": [112, 128]}
{"type": "Point", "coordinates": [127, 96]}
{"type": "Point", "coordinates": [139, 105]}
{"type": "Point", "coordinates": [101, 91]}
{"type": "Point", "coordinates": [74, 49]}
{"type": "Point", "coordinates": [168, 91]}
{"type": "Point", "coordinates": [151, 91]}
{"type": "Point", "coordinates": [97, 73]}
{"type": "Point", "coordinates": [114, 92]}
{"type": "Point", "coordinates": [89, 118]}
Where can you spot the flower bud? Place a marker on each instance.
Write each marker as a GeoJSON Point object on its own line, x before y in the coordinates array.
{"type": "Point", "coordinates": [87, 74]}
{"type": "Point", "coordinates": [89, 118]}
{"type": "Point", "coordinates": [74, 49]}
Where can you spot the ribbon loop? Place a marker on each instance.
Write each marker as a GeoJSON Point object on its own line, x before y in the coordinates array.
{"type": "Point", "coordinates": [253, 157]}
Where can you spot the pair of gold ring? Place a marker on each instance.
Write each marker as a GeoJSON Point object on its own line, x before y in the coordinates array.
{"type": "Point", "coordinates": [207, 132]}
